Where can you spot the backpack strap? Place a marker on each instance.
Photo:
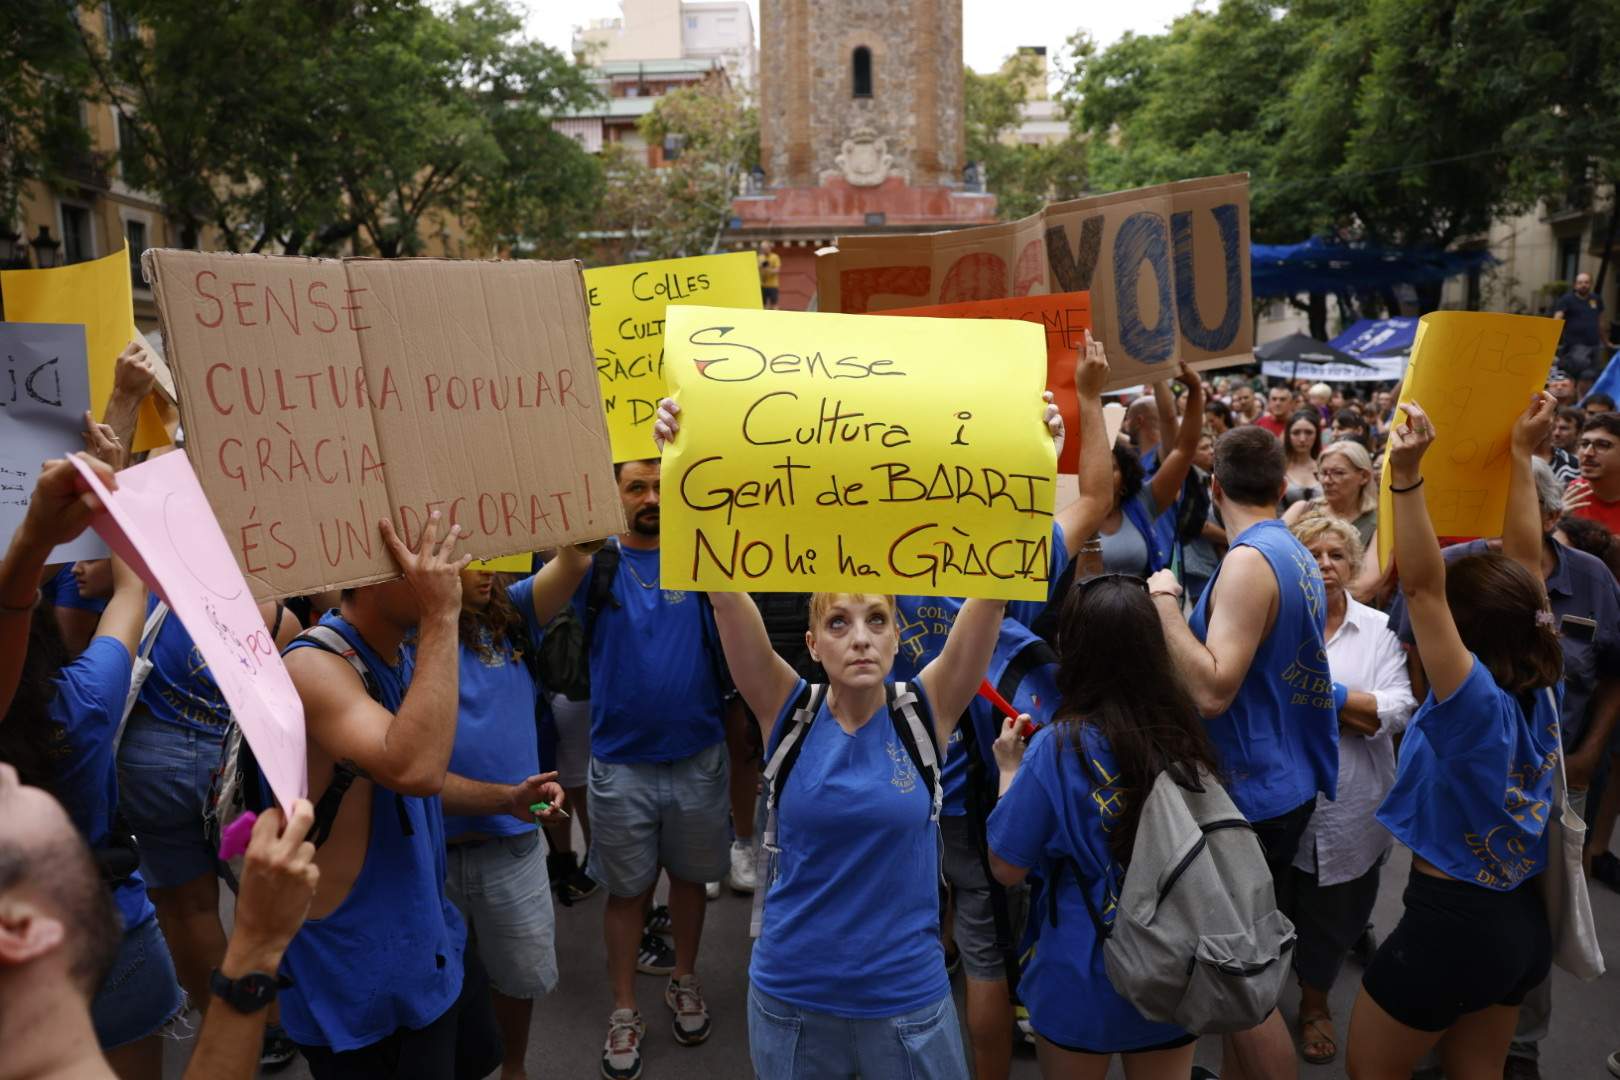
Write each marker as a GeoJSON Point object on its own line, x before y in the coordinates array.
{"type": "Point", "coordinates": [344, 774]}
{"type": "Point", "coordinates": [604, 568]}
{"type": "Point", "coordinates": [918, 738]}
{"type": "Point", "coordinates": [141, 666]}
{"type": "Point", "coordinates": [789, 742]}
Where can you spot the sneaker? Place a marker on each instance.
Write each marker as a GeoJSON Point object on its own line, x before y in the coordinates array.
{"type": "Point", "coordinates": [742, 867]}
{"type": "Point", "coordinates": [621, 1056]}
{"type": "Point", "coordinates": [656, 957]}
{"type": "Point", "coordinates": [1520, 1068]}
{"type": "Point", "coordinates": [659, 922]}
{"type": "Point", "coordinates": [278, 1049]}
{"type": "Point", "coordinates": [712, 890]}
{"type": "Point", "coordinates": [569, 880]}
{"type": "Point", "coordinates": [684, 996]}
{"type": "Point", "coordinates": [1614, 1063]}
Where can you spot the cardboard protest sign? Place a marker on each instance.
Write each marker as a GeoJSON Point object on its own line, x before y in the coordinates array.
{"type": "Point", "coordinates": [1167, 268]}
{"type": "Point", "coordinates": [44, 391]}
{"type": "Point", "coordinates": [1473, 372]}
{"type": "Point", "coordinates": [627, 331]}
{"type": "Point", "coordinates": [835, 452]}
{"type": "Point", "coordinates": [158, 521]}
{"type": "Point", "coordinates": [1065, 318]}
{"type": "Point", "coordinates": [319, 396]}
{"type": "Point", "coordinates": [96, 295]}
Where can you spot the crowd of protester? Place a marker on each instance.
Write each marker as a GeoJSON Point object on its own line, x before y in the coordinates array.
{"type": "Point", "coordinates": [1216, 612]}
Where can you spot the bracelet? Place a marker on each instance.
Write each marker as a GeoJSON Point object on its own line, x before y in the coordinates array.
{"type": "Point", "coordinates": [28, 609]}
{"type": "Point", "coordinates": [1402, 491]}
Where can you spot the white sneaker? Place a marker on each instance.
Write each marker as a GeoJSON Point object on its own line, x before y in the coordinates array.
{"type": "Point", "coordinates": [712, 890]}
{"type": "Point", "coordinates": [743, 879]}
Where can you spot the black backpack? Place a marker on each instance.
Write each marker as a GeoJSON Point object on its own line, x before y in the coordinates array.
{"type": "Point", "coordinates": [563, 661]}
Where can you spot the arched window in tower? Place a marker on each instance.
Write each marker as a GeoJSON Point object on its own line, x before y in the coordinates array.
{"type": "Point", "coordinates": [861, 65]}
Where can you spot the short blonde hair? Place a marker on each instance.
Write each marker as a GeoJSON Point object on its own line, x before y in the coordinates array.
{"type": "Point", "coordinates": [1320, 390]}
{"type": "Point", "coordinates": [1320, 524]}
{"type": "Point", "coordinates": [822, 602]}
{"type": "Point", "coordinates": [1356, 454]}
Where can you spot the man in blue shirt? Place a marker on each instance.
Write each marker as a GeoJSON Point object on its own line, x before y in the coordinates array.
{"type": "Point", "coordinates": [1255, 662]}
{"type": "Point", "coordinates": [1584, 331]}
{"type": "Point", "coordinates": [659, 787]}
{"type": "Point", "coordinates": [496, 866]}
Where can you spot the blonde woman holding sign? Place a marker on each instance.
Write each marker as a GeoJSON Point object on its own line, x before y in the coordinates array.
{"type": "Point", "coordinates": [848, 976]}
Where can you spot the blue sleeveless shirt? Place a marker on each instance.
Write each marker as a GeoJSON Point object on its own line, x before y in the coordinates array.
{"type": "Point", "coordinates": [1279, 739]}
{"type": "Point", "coordinates": [390, 956]}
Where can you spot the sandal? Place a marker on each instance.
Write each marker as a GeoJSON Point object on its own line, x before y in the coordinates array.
{"type": "Point", "coordinates": [1310, 1035]}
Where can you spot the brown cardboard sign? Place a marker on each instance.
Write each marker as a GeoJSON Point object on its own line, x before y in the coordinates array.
{"type": "Point", "coordinates": [319, 396]}
{"type": "Point", "coordinates": [1167, 268]}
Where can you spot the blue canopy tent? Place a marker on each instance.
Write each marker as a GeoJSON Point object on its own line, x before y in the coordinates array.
{"type": "Point", "coordinates": [1319, 265]}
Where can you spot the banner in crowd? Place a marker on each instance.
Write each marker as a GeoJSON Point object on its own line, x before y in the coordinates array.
{"type": "Point", "coordinates": [158, 521]}
{"type": "Point", "coordinates": [627, 305]}
{"type": "Point", "coordinates": [1372, 369]}
{"type": "Point", "coordinates": [320, 396]}
{"type": "Point", "coordinates": [1473, 372]}
{"type": "Point", "coordinates": [1167, 268]}
{"type": "Point", "coordinates": [1064, 318]}
{"type": "Point", "coordinates": [97, 295]}
{"type": "Point", "coordinates": [835, 452]}
{"type": "Point", "coordinates": [44, 392]}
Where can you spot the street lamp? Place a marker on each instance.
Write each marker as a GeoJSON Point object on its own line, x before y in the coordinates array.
{"type": "Point", "coordinates": [46, 248]}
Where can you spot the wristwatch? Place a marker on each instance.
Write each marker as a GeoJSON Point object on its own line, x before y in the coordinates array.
{"type": "Point", "coordinates": [248, 994]}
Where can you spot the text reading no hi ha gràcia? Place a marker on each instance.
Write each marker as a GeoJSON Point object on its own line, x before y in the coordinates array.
{"type": "Point", "coordinates": [923, 553]}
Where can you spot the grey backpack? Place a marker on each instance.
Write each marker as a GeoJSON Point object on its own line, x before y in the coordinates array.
{"type": "Point", "coordinates": [1197, 940]}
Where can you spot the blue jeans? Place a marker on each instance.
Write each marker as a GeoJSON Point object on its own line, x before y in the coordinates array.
{"type": "Point", "coordinates": [786, 1042]}
{"type": "Point", "coordinates": [140, 994]}
{"type": "Point", "coordinates": [164, 773]}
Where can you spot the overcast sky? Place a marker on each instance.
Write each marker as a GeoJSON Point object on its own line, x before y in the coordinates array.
{"type": "Point", "coordinates": [991, 29]}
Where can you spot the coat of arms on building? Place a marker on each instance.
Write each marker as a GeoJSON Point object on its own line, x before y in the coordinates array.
{"type": "Point", "coordinates": [865, 160]}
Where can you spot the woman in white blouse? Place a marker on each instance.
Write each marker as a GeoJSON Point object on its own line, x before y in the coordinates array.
{"type": "Point", "coordinates": [1334, 883]}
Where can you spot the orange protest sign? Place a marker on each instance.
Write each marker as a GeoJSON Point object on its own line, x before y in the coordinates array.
{"type": "Point", "coordinates": [1065, 317]}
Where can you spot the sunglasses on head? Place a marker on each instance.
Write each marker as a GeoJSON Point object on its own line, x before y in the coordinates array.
{"type": "Point", "coordinates": [1085, 584]}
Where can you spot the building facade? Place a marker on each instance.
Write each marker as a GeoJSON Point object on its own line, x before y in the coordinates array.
{"type": "Point", "coordinates": [861, 129]}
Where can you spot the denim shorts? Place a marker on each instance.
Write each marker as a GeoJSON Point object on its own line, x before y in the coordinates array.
{"type": "Point", "coordinates": [164, 772]}
{"type": "Point", "coordinates": [141, 993]}
{"type": "Point", "coordinates": [500, 887]}
{"type": "Point", "coordinates": [786, 1042]}
{"type": "Point", "coordinates": [673, 814]}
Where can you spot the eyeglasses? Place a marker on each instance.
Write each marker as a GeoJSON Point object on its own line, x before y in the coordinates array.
{"type": "Point", "coordinates": [1334, 474]}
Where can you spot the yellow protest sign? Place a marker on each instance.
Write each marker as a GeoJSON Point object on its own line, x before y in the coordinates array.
{"type": "Point", "coordinates": [627, 331]}
{"type": "Point", "coordinates": [823, 452]}
{"type": "Point", "coordinates": [96, 295]}
{"type": "Point", "coordinates": [1473, 372]}
{"type": "Point", "coordinates": [506, 564]}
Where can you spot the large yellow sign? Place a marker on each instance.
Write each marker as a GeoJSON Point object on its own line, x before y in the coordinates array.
{"type": "Point", "coordinates": [627, 306]}
{"type": "Point", "coordinates": [823, 452]}
{"type": "Point", "coordinates": [1473, 372]}
{"type": "Point", "coordinates": [96, 295]}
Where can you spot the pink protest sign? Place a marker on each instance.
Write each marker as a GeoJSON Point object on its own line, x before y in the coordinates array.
{"type": "Point", "coordinates": [159, 522]}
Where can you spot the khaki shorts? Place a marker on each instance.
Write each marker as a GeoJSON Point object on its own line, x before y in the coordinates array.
{"type": "Point", "coordinates": [674, 814]}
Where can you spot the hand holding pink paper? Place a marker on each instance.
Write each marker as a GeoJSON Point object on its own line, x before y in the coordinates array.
{"type": "Point", "coordinates": [160, 523]}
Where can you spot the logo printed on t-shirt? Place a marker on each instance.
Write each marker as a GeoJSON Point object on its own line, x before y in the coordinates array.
{"type": "Point", "coordinates": [905, 774]}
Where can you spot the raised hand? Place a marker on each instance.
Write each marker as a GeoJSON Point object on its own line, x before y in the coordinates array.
{"type": "Point", "coordinates": [1091, 369]}
{"type": "Point", "coordinates": [1409, 440]}
{"type": "Point", "coordinates": [1534, 425]}
{"type": "Point", "coordinates": [1009, 746]}
{"type": "Point", "coordinates": [432, 570]}
{"type": "Point", "coordinates": [1054, 421]}
{"type": "Point", "coordinates": [103, 443]}
{"type": "Point", "coordinates": [279, 876]}
{"type": "Point", "coordinates": [134, 374]}
{"type": "Point", "coordinates": [62, 503]}
{"type": "Point", "coordinates": [668, 424]}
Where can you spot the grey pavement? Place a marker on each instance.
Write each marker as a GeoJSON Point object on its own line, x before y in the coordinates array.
{"type": "Point", "coordinates": [571, 1023]}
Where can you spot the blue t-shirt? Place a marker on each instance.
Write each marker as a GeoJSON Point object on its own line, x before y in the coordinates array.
{"type": "Point", "coordinates": [1474, 784]}
{"type": "Point", "coordinates": [1279, 739]}
{"type": "Point", "coordinates": [390, 955]}
{"type": "Point", "coordinates": [1055, 811]}
{"type": "Point", "coordinates": [655, 694]}
{"type": "Point", "coordinates": [180, 689]}
{"type": "Point", "coordinates": [923, 623]}
{"type": "Point", "coordinates": [89, 703]}
{"type": "Point", "coordinates": [496, 738]}
{"type": "Point", "coordinates": [852, 917]}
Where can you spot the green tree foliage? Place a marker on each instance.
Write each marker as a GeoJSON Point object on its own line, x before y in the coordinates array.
{"type": "Point", "coordinates": [682, 207]}
{"type": "Point", "coordinates": [41, 75]}
{"type": "Point", "coordinates": [306, 127]}
{"type": "Point", "coordinates": [1022, 176]}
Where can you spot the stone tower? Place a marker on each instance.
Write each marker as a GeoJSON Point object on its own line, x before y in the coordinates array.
{"type": "Point", "coordinates": [862, 90]}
